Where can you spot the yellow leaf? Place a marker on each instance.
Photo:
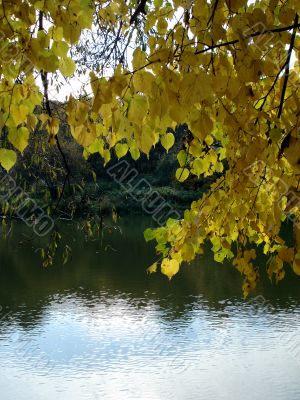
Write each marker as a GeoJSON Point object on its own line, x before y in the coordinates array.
{"type": "Point", "coordinates": [85, 136]}
{"type": "Point", "coordinates": [67, 66]}
{"type": "Point", "coordinates": [77, 112]}
{"type": "Point", "coordinates": [48, 62]}
{"type": "Point", "coordinates": [203, 126]}
{"type": "Point", "coordinates": [19, 138]}
{"type": "Point", "coordinates": [234, 5]}
{"type": "Point", "coordinates": [162, 25]}
{"type": "Point", "coordinates": [31, 121]}
{"type": "Point", "coordinates": [53, 126]}
{"type": "Point", "coordinates": [292, 151]}
{"type": "Point", "coordinates": [194, 88]}
{"type": "Point", "coordinates": [60, 49]}
{"type": "Point", "coordinates": [96, 147]}
{"type": "Point", "coordinates": [169, 267]}
{"type": "Point", "coordinates": [135, 153]}
{"type": "Point", "coordinates": [209, 140]}
{"type": "Point", "coordinates": [187, 252]}
{"type": "Point", "coordinates": [43, 118]}
{"type": "Point", "coordinates": [167, 140]}
{"type": "Point", "coordinates": [8, 158]}
{"type": "Point", "coordinates": [275, 134]}
{"type": "Point", "coordinates": [19, 114]}
{"type": "Point", "coordinates": [177, 112]}
{"type": "Point", "coordinates": [121, 149]}
{"type": "Point", "coordinates": [137, 109]}
{"type": "Point", "coordinates": [152, 268]}
{"type": "Point", "coordinates": [218, 167]}
{"type": "Point", "coordinates": [182, 157]}
{"type": "Point", "coordinates": [143, 81]}
{"type": "Point", "coordinates": [146, 139]}
{"type": "Point", "coordinates": [200, 166]}
{"type": "Point", "coordinates": [139, 59]}
{"type": "Point", "coordinates": [296, 264]}
{"type": "Point", "coordinates": [182, 174]}
{"type": "Point", "coordinates": [286, 254]}
{"type": "Point", "coordinates": [106, 156]}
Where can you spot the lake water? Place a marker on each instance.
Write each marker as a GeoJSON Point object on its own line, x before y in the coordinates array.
{"type": "Point", "coordinates": [100, 328]}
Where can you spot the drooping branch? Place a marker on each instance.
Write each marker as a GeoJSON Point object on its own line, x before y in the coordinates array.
{"type": "Point", "coordinates": [295, 26]}
{"type": "Point", "coordinates": [45, 83]}
{"type": "Point", "coordinates": [264, 98]}
{"type": "Point", "coordinates": [211, 18]}
{"type": "Point", "coordinates": [287, 67]}
{"type": "Point", "coordinates": [4, 15]}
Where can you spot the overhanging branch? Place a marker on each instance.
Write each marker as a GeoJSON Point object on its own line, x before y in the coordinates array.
{"type": "Point", "coordinates": [295, 26]}
{"type": "Point", "coordinates": [44, 78]}
{"type": "Point", "coordinates": [287, 67]}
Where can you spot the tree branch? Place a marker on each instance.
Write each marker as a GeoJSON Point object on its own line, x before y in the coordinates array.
{"type": "Point", "coordinates": [44, 78]}
{"type": "Point", "coordinates": [211, 18]}
{"type": "Point", "coordinates": [287, 66]}
{"type": "Point", "coordinates": [266, 32]}
{"type": "Point", "coordinates": [140, 10]}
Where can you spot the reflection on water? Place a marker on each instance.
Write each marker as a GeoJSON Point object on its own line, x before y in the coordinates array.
{"type": "Point", "coordinates": [100, 328]}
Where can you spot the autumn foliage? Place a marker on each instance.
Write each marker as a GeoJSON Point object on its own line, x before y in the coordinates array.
{"type": "Point", "coordinates": [229, 70]}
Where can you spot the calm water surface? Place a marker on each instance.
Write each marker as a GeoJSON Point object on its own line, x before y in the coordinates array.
{"type": "Point", "coordinates": [100, 328]}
